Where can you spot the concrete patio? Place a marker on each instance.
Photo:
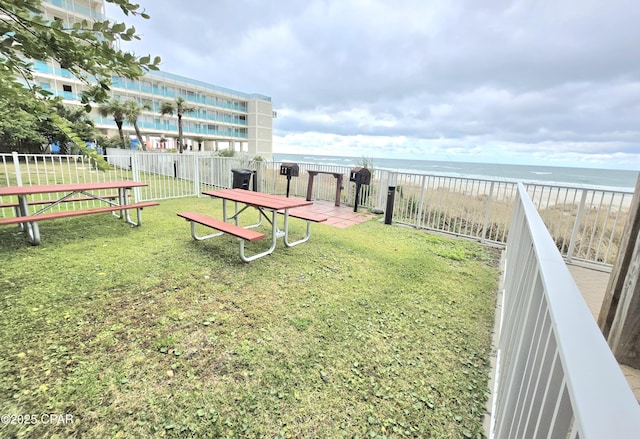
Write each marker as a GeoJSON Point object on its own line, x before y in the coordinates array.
{"type": "Point", "coordinates": [338, 216]}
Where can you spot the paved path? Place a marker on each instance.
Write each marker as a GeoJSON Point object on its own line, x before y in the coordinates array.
{"type": "Point", "coordinates": [593, 285]}
{"type": "Point", "coordinates": [338, 216]}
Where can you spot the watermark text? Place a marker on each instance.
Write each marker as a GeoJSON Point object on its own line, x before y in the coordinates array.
{"type": "Point", "coordinates": [34, 419]}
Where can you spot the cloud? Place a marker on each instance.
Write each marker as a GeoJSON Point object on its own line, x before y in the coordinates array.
{"type": "Point", "coordinates": [555, 80]}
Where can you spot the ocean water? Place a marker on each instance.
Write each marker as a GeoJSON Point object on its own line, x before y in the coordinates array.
{"type": "Point", "coordinates": [619, 179]}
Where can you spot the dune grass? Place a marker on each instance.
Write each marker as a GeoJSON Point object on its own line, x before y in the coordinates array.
{"type": "Point", "coordinates": [370, 331]}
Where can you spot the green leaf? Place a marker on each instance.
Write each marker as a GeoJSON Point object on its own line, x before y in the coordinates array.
{"type": "Point", "coordinates": [118, 28]}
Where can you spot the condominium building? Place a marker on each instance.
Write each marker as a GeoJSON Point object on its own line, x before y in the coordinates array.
{"type": "Point", "coordinates": [222, 118]}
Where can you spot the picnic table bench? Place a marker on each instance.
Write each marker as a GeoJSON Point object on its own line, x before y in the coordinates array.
{"type": "Point", "coordinates": [231, 229]}
{"type": "Point", "coordinates": [28, 222]}
{"type": "Point", "coordinates": [70, 213]}
{"type": "Point", "coordinates": [309, 217]}
{"type": "Point", "coordinates": [16, 206]}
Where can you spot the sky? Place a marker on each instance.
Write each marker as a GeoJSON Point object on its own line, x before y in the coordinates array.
{"type": "Point", "coordinates": [546, 82]}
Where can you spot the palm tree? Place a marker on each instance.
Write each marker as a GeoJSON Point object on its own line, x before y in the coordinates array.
{"type": "Point", "coordinates": [199, 139]}
{"type": "Point", "coordinates": [117, 109]}
{"type": "Point", "coordinates": [132, 113]}
{"type": "Point", "coordinates": [179, 107]}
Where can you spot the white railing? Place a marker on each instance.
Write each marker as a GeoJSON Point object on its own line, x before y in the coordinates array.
{"type": "Point", "coordinates": [586, 222]}
{"type": "Point", "coordinates": [555, 375]}
{"type": "Point", "coordinates": [43, 169]}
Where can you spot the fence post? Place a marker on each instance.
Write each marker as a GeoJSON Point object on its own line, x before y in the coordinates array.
{"type": "Point", "coordinates": [135, 172]}
{"type": "Point", "coordinates": [261, 167]}
{"type": "Point", "coordinates": [622, 278]}
{"type": "Point", "coordinates": [576, 226]}
{"type": "Point", "coordinates": [196, 174]}
{"type": "Point", "coordinates": [16, 165]}
{"type": "Point", "coordinates": [383, 176]}
{"type": "Point", "coordinates": [421, 204]}
{"type": "Point", "coordinates": [487, 213]}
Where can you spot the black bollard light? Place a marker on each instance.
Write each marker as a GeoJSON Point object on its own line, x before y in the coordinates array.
{"type": "Point", "coordinates": [391, 196]}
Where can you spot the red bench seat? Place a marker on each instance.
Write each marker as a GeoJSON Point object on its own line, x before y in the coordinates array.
{"type": "Point", "coordinates": [70, 213]}
{"type": "Point", "coordinates": [231, 229]}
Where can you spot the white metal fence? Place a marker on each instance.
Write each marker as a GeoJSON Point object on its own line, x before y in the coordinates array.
{"type": "Point", "coordinates": [586, 222]}
{"type": "Point", "coordinates": [556, 377]}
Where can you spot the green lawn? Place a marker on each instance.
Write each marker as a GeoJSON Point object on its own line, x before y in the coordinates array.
{"type": "Point", "coordinates": [371, 331]}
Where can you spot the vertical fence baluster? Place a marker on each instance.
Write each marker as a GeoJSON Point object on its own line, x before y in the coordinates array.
{"type": "Point", "coordinates": [16, 167]}
{"type": "Point", "coordinates": [576, 226]}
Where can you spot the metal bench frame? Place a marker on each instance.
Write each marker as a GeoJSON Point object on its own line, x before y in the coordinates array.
{"type": "Point", "coordinates": [243, 234]}
{"type": "Point", "coordinates": [308, 217]}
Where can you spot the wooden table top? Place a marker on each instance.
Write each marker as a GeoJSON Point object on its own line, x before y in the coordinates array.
{"type": "Point", "coordinates": [67, 187]}
{"type": "Point", "coordinates": [259, 199]}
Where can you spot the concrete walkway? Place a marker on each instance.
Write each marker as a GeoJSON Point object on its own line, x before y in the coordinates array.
{"type": "Point", "coordinates": [338, 216]}
{"type": "Point", "coordinates": [593, 285]}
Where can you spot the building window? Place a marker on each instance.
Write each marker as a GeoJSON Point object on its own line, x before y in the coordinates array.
{"type": "Point", "coordinates": [66, 88]}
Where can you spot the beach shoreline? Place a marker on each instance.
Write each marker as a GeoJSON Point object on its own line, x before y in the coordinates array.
{"type": "Point", "coordinates": [553, 175]}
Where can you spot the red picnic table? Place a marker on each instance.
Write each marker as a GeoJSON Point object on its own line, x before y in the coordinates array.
{"type": "Point", "coordinates": [68, 192]}
{"type": "Point", "coordinates": [268, 207]}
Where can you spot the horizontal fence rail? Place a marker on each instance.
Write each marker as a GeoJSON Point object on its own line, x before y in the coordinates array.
{"type": "Point", "coordinates": [556, 376]}
{"type": "Point", "coordinates": [586, 223]}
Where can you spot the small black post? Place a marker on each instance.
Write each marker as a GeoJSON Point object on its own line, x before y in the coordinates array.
{"type": "Point", "coordinates": [255, 181]}
{"type": "Point", "coordinates": [391, 196]}
{"type": "Point", "coordinates": [357, 200]}
{"type": "Point", "coordinates": [388, 213]}
{"type": "Point", "coordinates": [288, 183]}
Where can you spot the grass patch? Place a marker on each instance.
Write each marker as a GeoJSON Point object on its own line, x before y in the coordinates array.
{"type": "Point", "coordinates": [370, 331]}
